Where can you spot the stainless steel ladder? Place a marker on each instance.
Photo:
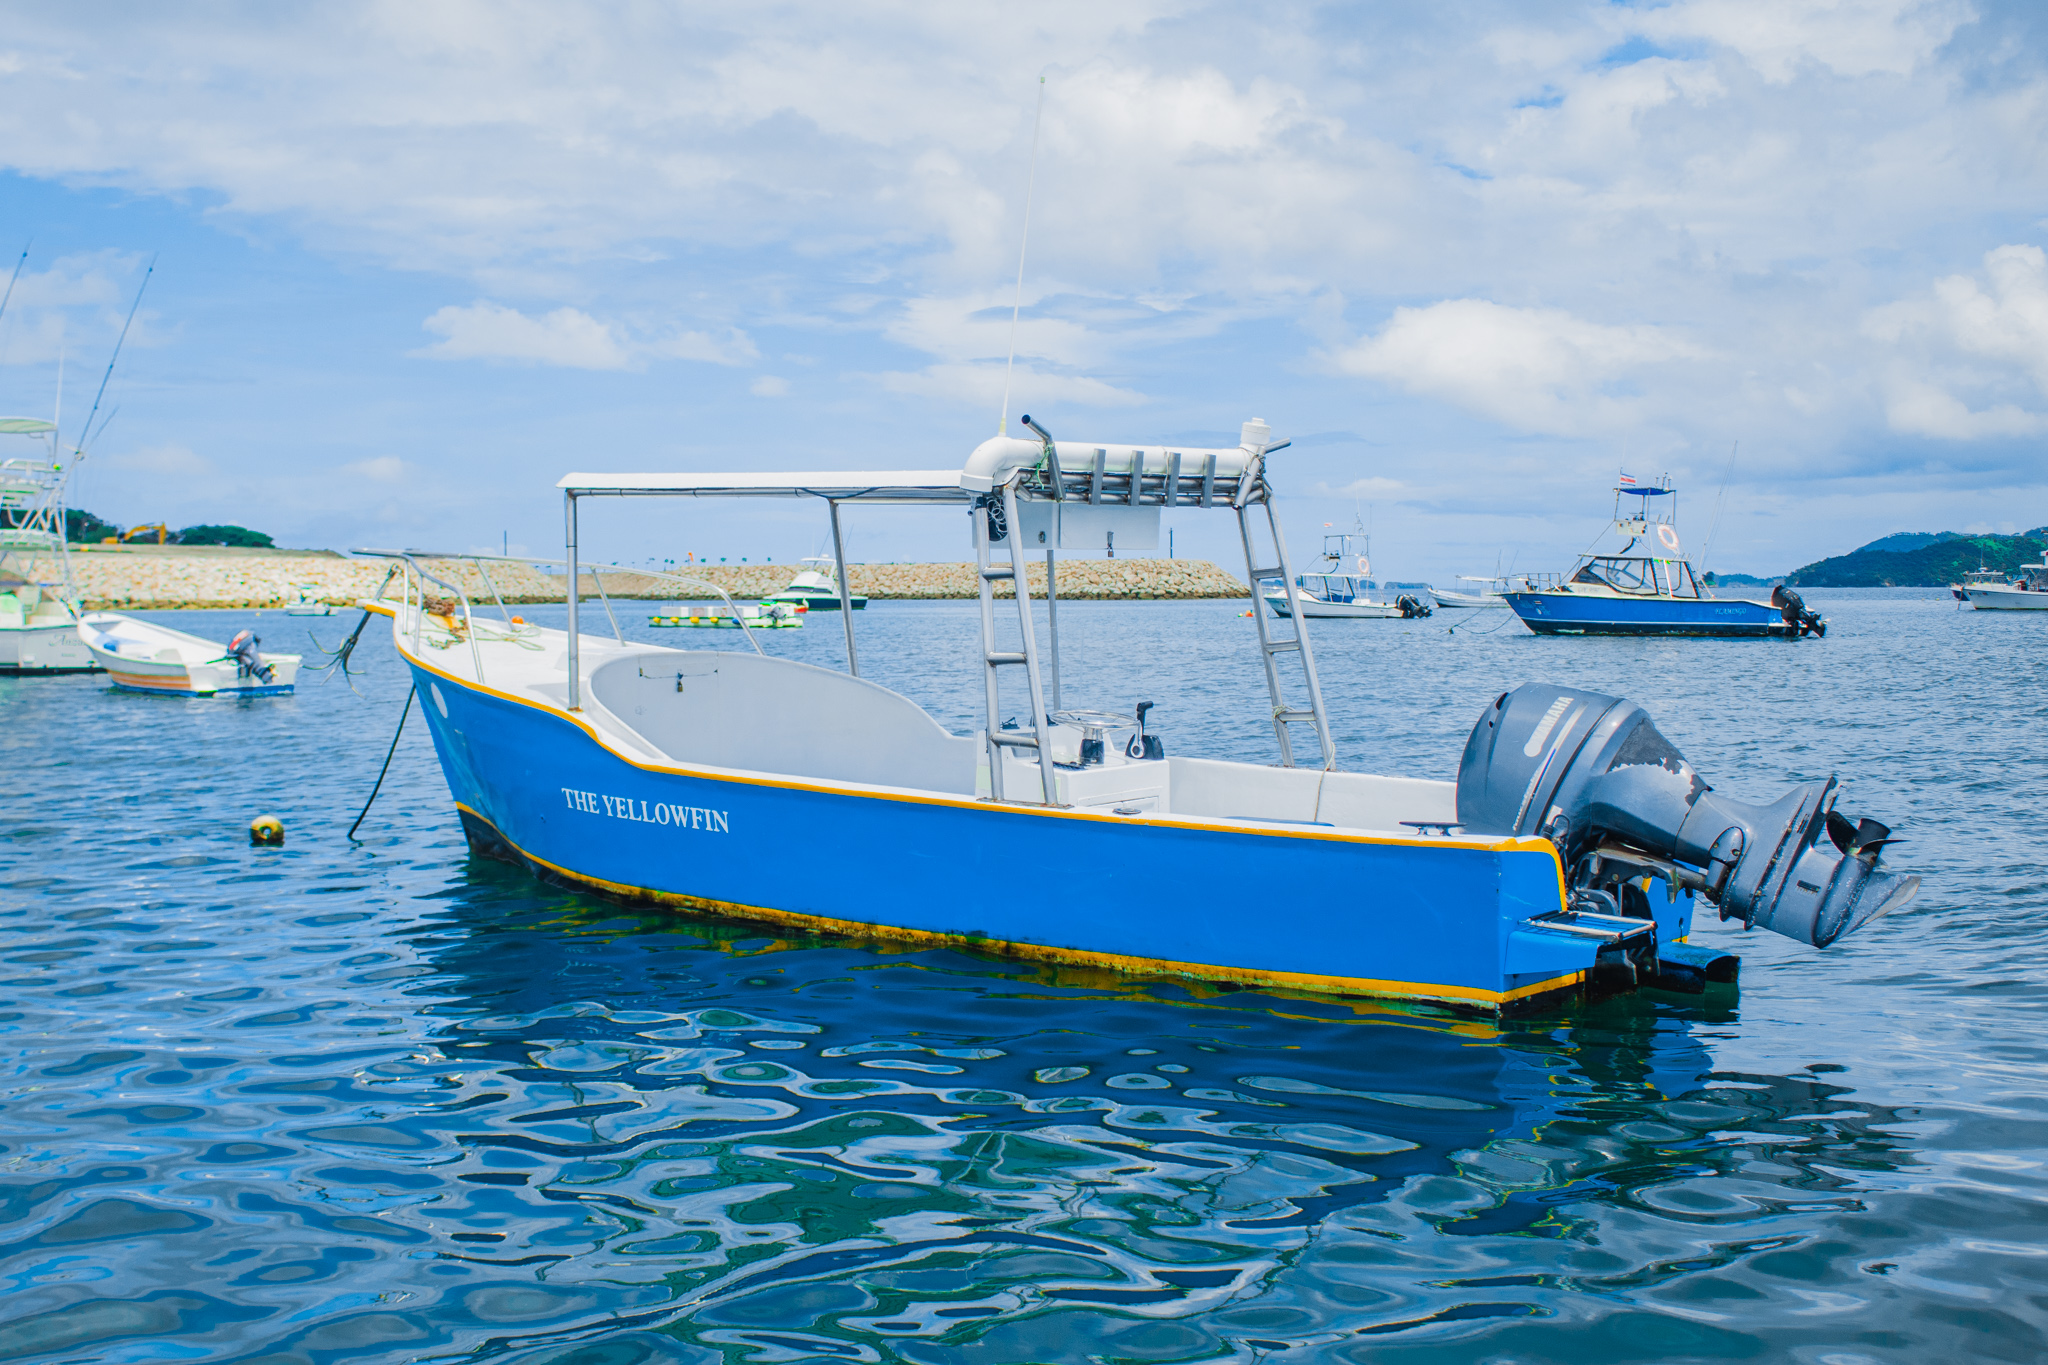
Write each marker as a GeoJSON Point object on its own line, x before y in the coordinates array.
{"type": "Point", "coordinates": [1003, 502]}
{"type": "Point", "coordinates": [1272, 646]}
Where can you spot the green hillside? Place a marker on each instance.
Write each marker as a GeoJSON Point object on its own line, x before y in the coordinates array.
{"type": "Point", "coordinates": [1928, 566]}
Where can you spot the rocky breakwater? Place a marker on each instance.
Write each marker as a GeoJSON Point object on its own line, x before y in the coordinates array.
{"type": "Point", "coordinates": [140, 578]}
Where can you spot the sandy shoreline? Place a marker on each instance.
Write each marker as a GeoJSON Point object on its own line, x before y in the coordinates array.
{"type": "Point", "coordinates": [173, 577]}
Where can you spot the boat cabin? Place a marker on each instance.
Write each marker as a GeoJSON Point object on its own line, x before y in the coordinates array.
{"type": "Point", "coordinates": [1640, 576]}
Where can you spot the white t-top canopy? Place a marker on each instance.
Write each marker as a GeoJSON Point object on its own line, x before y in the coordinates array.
{"type": "Point", "coordinates": [851, 485]}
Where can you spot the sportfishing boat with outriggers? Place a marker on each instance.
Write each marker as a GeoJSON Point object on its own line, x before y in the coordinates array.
{"type": "Point", "coordinates": [821, 586]}
{"type": "Point", "coordinates": [1651, 590]}
{"type": "Point", "coordinates": [1566, 857]}
{"type": "Point", "coordinates": [39, 611]}
{"type": "Point", "coordinates": [1342, 587]}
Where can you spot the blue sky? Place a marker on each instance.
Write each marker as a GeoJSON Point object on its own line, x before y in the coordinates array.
{"type": "Point", "coordinates": [415, 261]}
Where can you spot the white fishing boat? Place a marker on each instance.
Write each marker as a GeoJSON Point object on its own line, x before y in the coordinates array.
{"type": "Point", "coordinates": [1343, 587]}
{"type": "Point", "coordinates": [40, 616]}
{"type": "Point", "coordinates": [38, 607]}
{"type": "Point", "coordinates": [817, 588]}
{"type": "Point", "coordinates": [39, 630]}
{"type": "Point", "coordinates": [307, 603]}
{"type": "Point", "coordinates": [142, 656]}
{"type": "Point", "coordinates": [2028, 591]}
{"type": "Point", "coordinates": [1486, 595]}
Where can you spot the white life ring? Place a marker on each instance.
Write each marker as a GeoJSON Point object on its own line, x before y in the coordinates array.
{"type": "Point", "coordinates": [1668, 534]}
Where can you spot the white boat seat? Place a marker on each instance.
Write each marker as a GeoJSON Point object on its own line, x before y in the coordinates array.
{"type": "Point", "coordinates": [780, 716]}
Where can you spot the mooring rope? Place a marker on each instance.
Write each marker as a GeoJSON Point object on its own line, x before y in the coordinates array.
{"type": "Point", "coordinates": [410, 694]}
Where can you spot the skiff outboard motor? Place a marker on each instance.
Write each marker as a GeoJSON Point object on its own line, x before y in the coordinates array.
{"type": "Point", "coordinates": [242, 649]}
{"type": "Point", "coordinates": [1793, 608]}
{"type": "Point", "coordinates": [1593, 775]}
{"type": "Point", "coordinates": [1411, 606]}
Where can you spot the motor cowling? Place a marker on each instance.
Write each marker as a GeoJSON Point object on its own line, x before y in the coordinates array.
{"type": "Point", "coordinates": [1793, 612]}
{"type": "Point", "coordinates": [1592, 773]}
{"type": "Point", "coordinates": [248, 663]}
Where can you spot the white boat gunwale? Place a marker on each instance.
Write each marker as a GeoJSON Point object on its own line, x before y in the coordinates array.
{"type": "Point", "coordinates": [581, 719]}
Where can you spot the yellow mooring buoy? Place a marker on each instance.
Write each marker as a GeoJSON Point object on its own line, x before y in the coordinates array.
{"type": "Point", "coordinates": [266, 829]}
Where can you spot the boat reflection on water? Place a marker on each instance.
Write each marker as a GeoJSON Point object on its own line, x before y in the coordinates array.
{"type": "Point", "coordinates": [812, 1146]}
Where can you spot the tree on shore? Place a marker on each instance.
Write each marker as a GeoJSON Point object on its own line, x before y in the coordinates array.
{"type": "Point", "coordinates": [83, 528]}
{"type": "Point", "coordinates": [224, 535]}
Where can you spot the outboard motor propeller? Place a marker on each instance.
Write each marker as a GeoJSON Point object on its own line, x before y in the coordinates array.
{"type": "Point", "coordinates": [1792, 608]}
{"type": "Point", "coordinates": [1593, 775]}
{"type": "Point", "coordinates": [242, 649]}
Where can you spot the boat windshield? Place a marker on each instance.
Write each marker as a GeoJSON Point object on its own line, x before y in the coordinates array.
{"type": "Point", "coordinates": [1329, 587]}
{"type": "Point", "coordinates": [1639, 577]}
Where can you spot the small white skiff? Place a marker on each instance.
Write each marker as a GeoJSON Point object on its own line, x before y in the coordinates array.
{"type": "Point", "coordinates": [308, 602]}
{"type": "Point", "coordinates": [1488, 595]}
{"type": "Point", "coordinates": [141, 656]}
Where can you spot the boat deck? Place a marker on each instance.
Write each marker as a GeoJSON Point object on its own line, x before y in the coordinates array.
{"type": "Point", "coordinates": [741, 714]}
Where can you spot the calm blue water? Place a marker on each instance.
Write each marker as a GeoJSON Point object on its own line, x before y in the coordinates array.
{"type": "Point", "coordinates": [389, 1102]}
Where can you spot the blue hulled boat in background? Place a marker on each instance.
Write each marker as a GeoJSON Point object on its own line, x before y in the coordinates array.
{"type": "Point", "coordinates": [1651, 590]}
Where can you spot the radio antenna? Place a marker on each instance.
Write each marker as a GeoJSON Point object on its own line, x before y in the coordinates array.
{"type": "Point", "coordinates": [86, 430]}
{"type": "Point", "coordinates": [1714, 528]}
{"type": "Point", "coordinates": [12, 279]}
{"type": "Point", "coordinates": [1016, 305]}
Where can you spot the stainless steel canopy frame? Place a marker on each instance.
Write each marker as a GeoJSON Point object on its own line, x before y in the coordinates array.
{"type": "Point", "coordinates": [1003, 478]}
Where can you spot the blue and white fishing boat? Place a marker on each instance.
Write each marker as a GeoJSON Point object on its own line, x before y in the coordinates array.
{"type": "Point", "coordinates": [1652, 590]}
{"type": "Point", "coordinates": [1567, 855]}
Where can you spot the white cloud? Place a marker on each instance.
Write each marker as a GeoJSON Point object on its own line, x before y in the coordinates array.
{"type": "Point", "coordinates": [734, 348]}
{"type": "Point", "coordinates": [1364, 490]}
{"type": "Point", "coordinates": [171, 460]}
{"type": "Point", "coordinates": [378, 468]}
{"type": "Point", "coordinates": [567, 337]}
{"type": "Point", "coordinates": [982, 386]}
{"type": "Point", "coordinates": [1921, 409]}
{"type": "Point", "coordinates": [1846, 37]}
{"type": "Point", "coordinates": [2009, 320]}
{"type": "Point", "coordinates": [769, 386]}
{"type": "Point", "coordinates": [1540, 369]}
{"type": "Point", "coordinates": [490, 331]}
{"type": "Point", "coordinates": [1987, 338]}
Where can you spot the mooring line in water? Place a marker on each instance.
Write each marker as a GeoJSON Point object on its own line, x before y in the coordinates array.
{"type": "Point", "coordinates": [410, 694]}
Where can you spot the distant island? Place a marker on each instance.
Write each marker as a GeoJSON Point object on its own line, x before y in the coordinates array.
{"type": "Point", "coordinates": [1922, 560]}
{"type": "Point", "coordinates": [1908, 559]}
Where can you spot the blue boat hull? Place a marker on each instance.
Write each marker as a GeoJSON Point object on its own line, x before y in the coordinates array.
{"type": "Point", "coordinates": [1565, 613]}
{"type": "Point", "coordinates": [1304, 908]}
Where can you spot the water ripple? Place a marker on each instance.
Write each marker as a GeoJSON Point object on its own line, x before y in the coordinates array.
{"type": "Point", "coordinates": [391, 1103]}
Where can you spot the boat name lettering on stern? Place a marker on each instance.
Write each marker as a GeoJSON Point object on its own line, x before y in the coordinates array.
{"type": "Point", "coordinates": [648, 813]}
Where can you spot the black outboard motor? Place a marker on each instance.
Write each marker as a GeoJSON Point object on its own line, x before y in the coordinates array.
{"type": "Point", "coordinates": [248, 663]}
{"type": "Point", "coordinates": [1593, 775]}
{"type": "Point", "coordinates": [1412, 606]}
{"type": "Point", "coordinates": [1792, 608]}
